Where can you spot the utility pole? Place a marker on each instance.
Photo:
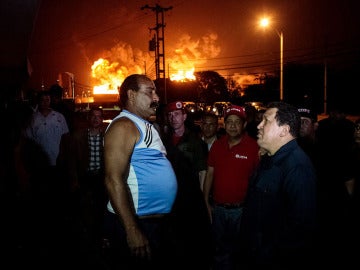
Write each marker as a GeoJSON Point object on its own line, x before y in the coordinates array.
{"type": "Point", "coordinates": [159, 42]}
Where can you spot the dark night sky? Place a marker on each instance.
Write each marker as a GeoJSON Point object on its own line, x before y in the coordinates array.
{"type": "Point", "coordinates": [70, 35]}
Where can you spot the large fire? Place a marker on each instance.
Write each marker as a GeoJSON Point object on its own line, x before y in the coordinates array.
{"type": "Point", "coordinates": [110, 77]}
{"type": "Point", "coordinates": [183, 75]}
{"type": "Point", "coordinates": [110, 71]}
{"type": "Point", "coordinates": [109, 80]}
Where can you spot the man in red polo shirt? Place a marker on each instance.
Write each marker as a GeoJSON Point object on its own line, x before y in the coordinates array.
{"type": "Point", "coordinates": [231, 161]}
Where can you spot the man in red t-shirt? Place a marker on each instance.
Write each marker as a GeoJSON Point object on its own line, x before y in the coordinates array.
{"type": "Point", "coordinates": [231, 161]}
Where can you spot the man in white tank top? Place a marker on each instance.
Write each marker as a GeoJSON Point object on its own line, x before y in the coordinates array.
{"type": "Point", "coordinates": [139, 178]}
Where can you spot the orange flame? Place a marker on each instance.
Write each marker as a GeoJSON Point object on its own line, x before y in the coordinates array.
{"type": "Point", "coordinates": [109, 81]}
{"type": "Point", "coordinates": [110, 71]}
{"type": "Point", "coordinates": [183, 75]}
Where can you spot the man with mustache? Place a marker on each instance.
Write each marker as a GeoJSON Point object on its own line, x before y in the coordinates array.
{"type": "Point", "coordinates": [140, 181]}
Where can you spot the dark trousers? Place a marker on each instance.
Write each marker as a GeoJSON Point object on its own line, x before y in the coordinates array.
{"type": "Point", "coordinates": [159, 233]}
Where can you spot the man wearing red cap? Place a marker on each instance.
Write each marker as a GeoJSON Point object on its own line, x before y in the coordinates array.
{"type": "Point", "coordinates": [188, 153]}
{"type": "Point", "coordinates": [232, 159]}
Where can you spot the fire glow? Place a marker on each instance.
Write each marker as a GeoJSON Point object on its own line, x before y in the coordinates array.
{"type": "Point", "coordinates": [110, 78]}
{"type": "Point", "coordinates": [102, 70]}
{"type": "Point", "coordinates": [183, 75]}
{"type": "Point", "coordinates": [122, 60]}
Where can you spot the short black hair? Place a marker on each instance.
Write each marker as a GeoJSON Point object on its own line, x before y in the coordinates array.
{"type": "Point", "coordinates": [208, 114]}
{"type": "Point", "coordinates": [287, 114]}
{"type": "Point", "coordinates": [42, 94]}
{"type": "Point", "coordinates": [131, 82]}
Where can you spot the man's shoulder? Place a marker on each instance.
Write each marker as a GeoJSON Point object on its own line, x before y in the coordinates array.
{"type": "Point", "coordinates": [293, 153]}
{"type": "Point", "coordinates": [121, 123]}
{"type": "Point", "coordinates": [121, 131]}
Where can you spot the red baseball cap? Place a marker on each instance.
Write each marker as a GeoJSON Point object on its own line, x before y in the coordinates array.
{"type": "Point", "coordinates": [173, 106]}
{"type": "Point", "coordinates": [236, 110]}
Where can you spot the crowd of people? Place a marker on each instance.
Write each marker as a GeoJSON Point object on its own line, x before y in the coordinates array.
{"type": "Point", "coordinates": [275, 189]}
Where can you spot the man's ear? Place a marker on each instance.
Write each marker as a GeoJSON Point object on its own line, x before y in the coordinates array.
{"type": "Point", "coordinates": [131, 94]}
{"type": "Point", "coordinates": [285, 130]}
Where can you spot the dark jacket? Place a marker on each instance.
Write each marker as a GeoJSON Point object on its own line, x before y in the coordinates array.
{"type": "Point", "coordinates": [279, 219]}
{"type": "Point", "coordinates": [74, 156]}
{"type": "Point", "coordinates": [189, 214]}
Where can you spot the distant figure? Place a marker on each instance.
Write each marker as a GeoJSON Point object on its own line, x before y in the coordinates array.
{"type": "Point", "coordinates": [58, 104]}
{"type": "Point", "coordinates": [209, 128]}
{"type": "Point", "coordinates": [140, 182]}
{"type": "Point", "coordinates": [279, 220]}
{"type": "Point", "coordinates": [307, 135]}
{"type": "Point", "coordinates": [82, 161]}
{"type": "Point", "coordinates": [47, 127]}
{"type": "Point", "coordinates": [232, 160]}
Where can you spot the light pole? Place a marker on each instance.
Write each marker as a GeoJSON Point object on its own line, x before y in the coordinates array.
{"type": "Point", "coordinates": [265, 23]}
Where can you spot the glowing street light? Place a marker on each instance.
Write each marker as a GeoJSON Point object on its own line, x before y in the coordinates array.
{"type": "Point", "coordinates": [265, 23]}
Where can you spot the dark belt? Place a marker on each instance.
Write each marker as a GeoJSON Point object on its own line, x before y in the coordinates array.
{"type": "Point", "coordinates": [154, 219]}
{"type": "Point", "coordinates": [154, 216]}
{"type": "Point", "coordinates": [230, 205]}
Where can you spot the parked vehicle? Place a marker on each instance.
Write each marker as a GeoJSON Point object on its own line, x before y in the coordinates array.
{"type": "Point", "coordinates": [257, 104]}
{"type": "Point", "coordinates": [190, 106]}
{"type": "Point", "coordinates": [219, 107]}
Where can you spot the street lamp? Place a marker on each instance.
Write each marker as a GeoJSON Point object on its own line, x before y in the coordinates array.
{"type": "Point", "coordinates": [265, 23]}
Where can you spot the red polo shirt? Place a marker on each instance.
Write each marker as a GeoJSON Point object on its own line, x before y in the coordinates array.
{"type": "Point", "coordinates": [232, 168]}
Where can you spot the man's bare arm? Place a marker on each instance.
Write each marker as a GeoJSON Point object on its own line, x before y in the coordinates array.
{"type": "Point", "coordinates": [119, 143]}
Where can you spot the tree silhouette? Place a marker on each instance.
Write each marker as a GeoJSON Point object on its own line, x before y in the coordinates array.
{"type": "Point", "coordinates": [212, 87]}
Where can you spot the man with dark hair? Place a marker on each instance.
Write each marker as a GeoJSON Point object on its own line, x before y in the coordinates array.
{"type": "Point", "coordinates": [209, 128]}
{"type": "Point", "coordinates": [307, 135]}
{"type": "Point", "coordinates": [187, 154]}
{"type": "Point", "coordinates": [232, 160]}
{"type": "Point", "coordinates": [279, 219]}
{"type": "Point", "coordinates": [47, 127]}
{"type": "Point", "coordinates": [140, 181]}
{"type": "Point", "coordinates": [82, 165]}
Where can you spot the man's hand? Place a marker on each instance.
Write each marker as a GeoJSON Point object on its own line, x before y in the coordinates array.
{"type": "Point", "coordinates": [138, 243]}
